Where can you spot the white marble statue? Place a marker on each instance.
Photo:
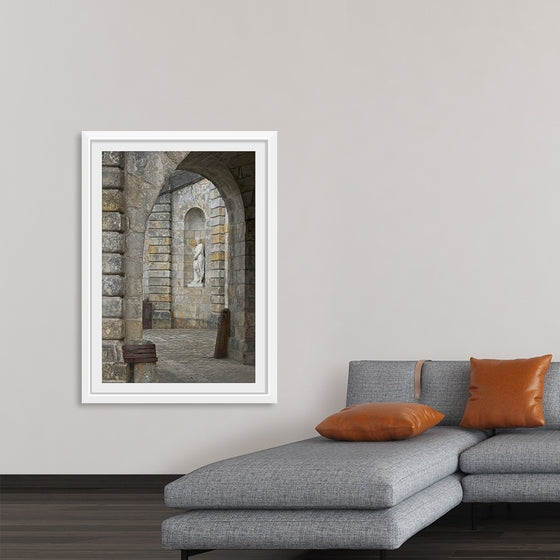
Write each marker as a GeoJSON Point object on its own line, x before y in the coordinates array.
{"type": "Point", "coordinates": [198, 264]}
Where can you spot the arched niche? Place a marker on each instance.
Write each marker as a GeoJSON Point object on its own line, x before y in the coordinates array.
{"type": "Point", "coordinates": [195, 229]}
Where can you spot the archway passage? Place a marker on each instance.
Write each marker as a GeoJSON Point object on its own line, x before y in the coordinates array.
{"type": "Point", "coordinates": [233, 174]}
{"type": "Point", "coordinates": [187, 225]}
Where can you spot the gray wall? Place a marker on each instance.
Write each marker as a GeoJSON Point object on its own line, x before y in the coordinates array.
{"type": "Point", "coordinates": [418, 197]}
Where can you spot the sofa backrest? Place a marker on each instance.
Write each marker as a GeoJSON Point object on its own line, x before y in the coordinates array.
{"type": "Point", "coordinates": [445, 387]}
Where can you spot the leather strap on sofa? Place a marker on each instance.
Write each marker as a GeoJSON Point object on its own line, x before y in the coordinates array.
{"type": "Point", "coordinates": [418, 378]}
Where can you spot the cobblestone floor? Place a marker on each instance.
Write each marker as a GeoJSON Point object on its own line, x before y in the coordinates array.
{"type": "Point", "coordinates": [186, 356]}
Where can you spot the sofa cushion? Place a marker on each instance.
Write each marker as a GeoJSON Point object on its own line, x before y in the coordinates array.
{"type": "Point", "coordinates": [379, 422]}
{"type": "Point", "coordinates": [322, 473]}
{"type": "Point", "coordinates": [506, 393]}
{"type": "Point", "coordinates": [312, 529]}
{"type": "Point", "coordinates": [523, 451]}
{"type": "Point", "coordinates": [518, 487]}
{"type": "Point", "coordinates": [445, 387]}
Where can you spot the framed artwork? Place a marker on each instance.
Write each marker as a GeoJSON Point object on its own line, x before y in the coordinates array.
{"type": "Point", "coordinates": [179, 267]}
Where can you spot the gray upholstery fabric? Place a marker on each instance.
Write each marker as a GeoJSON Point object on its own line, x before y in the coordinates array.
{"type": "Point", "coordinates": [445, 387]}
{"type": "Point", "coordinates": [531, 451]}
{"type": "Point", "coordinates": [312, 529]}
{"type": "Point", "coordinates": [551, 396]}
{"type": "Point", "coordinates": [511, 488]}
{"type": "Point", "coordinates": [322, 473]}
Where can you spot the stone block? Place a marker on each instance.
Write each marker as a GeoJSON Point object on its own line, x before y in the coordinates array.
{"type": "Point", "coordinates": [158, 274]}
{"type": "Point", "coordinates": [113, 285]}
{"type": "Point", "coordinates": [162, 323]}
{"type": "Point", "coordinates": [112, 306]}
{"type": "Point", "coordinates": [133, 267]}
{"type": "Point", "coordinates": [116, 372]}
{"type": "Point", "coordinates": [162, 306]}
{"type": "Point", "coordinates": [112, 177]}
{"type": "Point", "coordinates": [218, 256]}
{"type": "Point", "coordinates": [217, 203]}
{"type": "Point", "coordinates": [158, 233]}
{"type": "Point", "coordinates": [218, 248]}
{"type": "Point", "coordinates": [159, 265]}
{"type": "Point", "coordinates": [111, 351]}
{"type": "Point", "coordinates": [157, 216]}
{"type": "Point", "coordinates": [155, 248]}
{"type": "Point", "coordinates": [216, 230]}
{"type": "Point", "coordinates": [112, 329]}
{"type": "Point", "coordinates": [217, 299]}
{"type": "Point", "coordinates": [145, 373]}
{"type": "Point", "coordinates": [161, 208]}
{"type": "Point", "coordinates": [216, 212]}
{"type": "Point", "coordinates": [160, 297]}
{"type": "Point", "coordinates": [133, 306]}
{"type": "Point", "coordinates": [113, 200]}
{"type": "Point", "coordinates": [112, 242]}
{"type": "Point", "coordinates": [112, 263]}
{"type": "Point", "coordinates": [159, 290]}
{"type": "Point", "coordinates": [164, 198]}
{"type": "Point", "coordinates": [133, 328]}
{"type": "Point", "coordinates": [218, 238]}
{"type": "Point", "coordinates": [159, 258]}
{"type": "Point", "coordinates": [112, 158]}
{"type": "Point", "coordinates": [112, 221]}
{"type": "Point", "coordinates": [162, 314]}
{"type": "Point", "coordinates": [159, 224]}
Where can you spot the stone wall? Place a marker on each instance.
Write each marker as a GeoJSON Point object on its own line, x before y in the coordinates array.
{"type": "Point", "coordinates": [168, 254]}
{"type": "Point", "coordinates": [156, 280]}
{"type": "Point", "coordinates": [114, 369]}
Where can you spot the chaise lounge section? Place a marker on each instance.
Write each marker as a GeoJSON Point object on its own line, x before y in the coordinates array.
{"type": "Point", "coordinates": [325, 494]}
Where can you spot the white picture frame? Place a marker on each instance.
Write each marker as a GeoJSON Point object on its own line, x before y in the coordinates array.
{"type": "Point", "coordinates": [264, 389]}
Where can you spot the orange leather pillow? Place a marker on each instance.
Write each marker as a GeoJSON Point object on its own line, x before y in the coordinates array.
{"type": "Point", "coordinates": [506, 393]}
{"type": "Point", "coordinates": [379, 421]}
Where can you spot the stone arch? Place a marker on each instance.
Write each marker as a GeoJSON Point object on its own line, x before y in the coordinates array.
{"type": "Point", "coordinates": [216, 167]}
{"type": "Point", "coordinates": [145, 175]}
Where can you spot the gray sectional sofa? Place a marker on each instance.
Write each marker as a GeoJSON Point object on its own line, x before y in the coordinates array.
{"type": "Point", "coordinates": [325, 494]}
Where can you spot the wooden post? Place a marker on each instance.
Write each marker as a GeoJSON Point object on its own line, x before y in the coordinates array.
{"type": "Point", "coordinates": [147, 314]}
{"type": "Point", "coordinates": [220, 350]}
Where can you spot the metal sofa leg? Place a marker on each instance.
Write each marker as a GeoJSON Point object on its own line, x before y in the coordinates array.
{"type": "Point", "coordinates": [473, 516]}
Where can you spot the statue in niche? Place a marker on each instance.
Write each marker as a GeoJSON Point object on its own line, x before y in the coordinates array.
{"type": "Point", "coordinates": [198, 263]}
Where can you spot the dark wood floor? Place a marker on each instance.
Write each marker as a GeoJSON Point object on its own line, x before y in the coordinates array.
{"type": "Point", "coordinates": [92, 524]}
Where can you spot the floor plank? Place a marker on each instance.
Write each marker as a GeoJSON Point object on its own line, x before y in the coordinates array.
{"type": "Point", "coordinates": [88, 524]}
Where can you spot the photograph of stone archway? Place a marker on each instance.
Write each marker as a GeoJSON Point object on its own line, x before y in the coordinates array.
{"type": "Point", "coordinates": [178, 265]}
